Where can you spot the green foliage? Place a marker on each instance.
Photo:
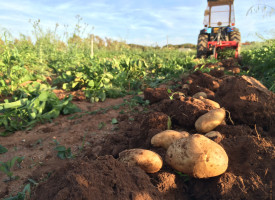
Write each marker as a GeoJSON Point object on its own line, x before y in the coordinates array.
{"type": "Point", "coordinates": [64, 153]}
{"type": "Point", "coordinates": [101, 125]}
{"type": "Point", "coordinates": [185, 177]}
{"type": "Point", "coordinates": [262, 62]}
{"type": "Point", "coordinates": [24, 195]}
{"type": "Point", "coordinates": [6, 167]}
{"type": "Point", "coordinates": [3, 149]}
{"type": "Point", "coordinates": [114, 121]}
{"type": "Point", "coordinates": [32, 104]}
{"type": "Point", "coordinates": [116, 69]}
{"type": "Point", "coordinates": [135, 102]}
{"type": "Point", "coordinates": [174, 93]}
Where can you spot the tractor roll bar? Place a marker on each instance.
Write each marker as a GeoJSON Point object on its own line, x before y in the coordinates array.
{"type": "Point", "coordinates": [219, 2]}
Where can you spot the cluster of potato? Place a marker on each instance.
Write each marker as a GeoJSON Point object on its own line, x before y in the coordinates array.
{"type": "Point", "coordinates": [196, 155]}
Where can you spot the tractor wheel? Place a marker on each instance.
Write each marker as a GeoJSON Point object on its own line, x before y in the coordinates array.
{"type": "Point", "coordinates": [202, 46]}
{"type": "Point", "coordinates": [236, 36]}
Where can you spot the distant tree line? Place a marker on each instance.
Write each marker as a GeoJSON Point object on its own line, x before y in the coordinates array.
{"type": "Point", "coordinates": [98, 43]}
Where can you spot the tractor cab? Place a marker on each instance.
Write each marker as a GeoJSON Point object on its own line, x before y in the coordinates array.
{"type": "Point", "coordinates": [219, 14]}
{"type": "Point", "coordinates": [219, 29]}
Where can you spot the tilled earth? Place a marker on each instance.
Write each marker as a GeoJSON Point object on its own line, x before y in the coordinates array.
{"type": "Point", "coordinates": [248, 137]}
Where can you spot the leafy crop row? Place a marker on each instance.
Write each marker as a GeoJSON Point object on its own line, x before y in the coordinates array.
{"type": "Point", "coordinates": [262, 61]}
{"type": "Point", "coordinates": [31, 104]}
{"type": "Point", "coordinates": [50, 63]}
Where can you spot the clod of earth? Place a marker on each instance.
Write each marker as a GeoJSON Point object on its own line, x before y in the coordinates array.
{"type": "Point", "coordinates": [155, 95]}
{"type": "Point", "coordinates": [248, 101]}
{"type": "Point", "coordinates": [197, 156]}
{"type": "Point", "coordinates": [103, 178]}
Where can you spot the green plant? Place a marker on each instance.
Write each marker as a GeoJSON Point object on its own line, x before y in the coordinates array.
{"type": "Point", "coordinates": [83, 142]}
{"type": "Point", "coordinates": [174, 93]}
{"type": "Point", "coordinates": [24, 195]}
{"type": "Point", "coordinates": [36, 103]}
{"type": "Point", "coordinates": [6, 167]}
{"type": "Point", "coordinates": [114, 121]}
{"type": "Point", "coordinates": [135, 102]}
{"type": "Point", "coordinates": [101, 125]}
{"type": "Point", "coordinates": [184, 176]}
{"type": "Point", "coordinates": [64, 153]}
{"type": "Point", "coordinates": [3, 149]}
{"type": "Point", "coordinates": [262, 63]}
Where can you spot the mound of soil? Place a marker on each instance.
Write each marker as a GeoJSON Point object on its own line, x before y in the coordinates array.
{"type": "Point", "coordinates": [155, 95]}
{"type": "Point", "coordinates": [104, 178]}
{"type": "Point", "coordinates": [248, 101]}
{"type": "Point", "coordinates": [135, 132]}
{"type": "Point", "coordinates": [184, 111]}
{"type": "Point", "coordinates": [202, 82]}
{"type": "Point", "coordinates": [249, 174]}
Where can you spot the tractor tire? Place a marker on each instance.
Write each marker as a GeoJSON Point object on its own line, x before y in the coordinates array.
{"type": "Point", "coordinates": [202, 46]}
{"type": "Point", "coordinates": [236, 36]}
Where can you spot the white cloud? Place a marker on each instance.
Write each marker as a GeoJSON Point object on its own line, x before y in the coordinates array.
{"type": "Point", "coordinates": [142, 21]}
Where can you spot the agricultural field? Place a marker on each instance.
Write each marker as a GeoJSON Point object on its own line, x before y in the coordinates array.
{"type": "Point", "coordinates": [66, 115]}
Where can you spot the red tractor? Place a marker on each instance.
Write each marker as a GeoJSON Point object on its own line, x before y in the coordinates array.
{"type": "Point", "coordinates": [219, 29]}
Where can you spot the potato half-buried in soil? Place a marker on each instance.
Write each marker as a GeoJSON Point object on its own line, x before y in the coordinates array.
{"type": "Point", "coordinates": [214, 104]}
{"type": "Point", "coordinates": [197, 156]}
{"type": "Point", "coordinates": [200, 94]}
{"type": "Point", "coordinates": [165, 138]}
{"type": "Point", "coordinates": [210, 120]}
{"type": "Point", "coordinates": [216, 136]}
{"type": "Point", "coordinates": [147, 160]}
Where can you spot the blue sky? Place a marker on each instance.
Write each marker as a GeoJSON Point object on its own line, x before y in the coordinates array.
{"type": "Point", "coordinates": [146, 22]}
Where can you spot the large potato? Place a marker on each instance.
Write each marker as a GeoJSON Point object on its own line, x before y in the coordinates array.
{"type": "Point", "coordinates": [210, 120]}
{"type": "Point", "coordinates": [147, 160]}
{"type": "Point", "coordinates": [197, 156]}
{"type": "Point", "coordinates": [209, 102]}
{"type": "Point", "coordinates": [165, 138]}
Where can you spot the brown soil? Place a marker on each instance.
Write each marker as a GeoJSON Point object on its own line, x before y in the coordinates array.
{"type": "Point", "coordinates": [184, 111]}
{"type": "Point", "coordinates": [248, 101]}
{"type": "Point", "coordinates": [250, 148]}
{"type": "Point", "coordinates": [104, 178]}
{"type": "Point", "coordinates": [155, 95]}
{"type": "Point", "coordinates": [37, 145]}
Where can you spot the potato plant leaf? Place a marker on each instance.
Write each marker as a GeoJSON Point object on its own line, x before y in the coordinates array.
{"type": "Point", "coordinates": [114, 121]}
{"type": "Point", "coordinates": [3, 149]}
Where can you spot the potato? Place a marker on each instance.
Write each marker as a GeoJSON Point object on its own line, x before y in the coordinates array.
{"type": "Point", "coordinates": [197, 156]}
{"type": "Point", "coordinates": [186, 86]}
{"type": "Point", "coordinates": [215, 136]}
{"type": "Point", "coordinates": [165, 138]}
{"type": "Point", "coordinates": [210, 120]}
{"type": "Point", "coordinates": [147, 160]}
{"type": "Point", "coordinates": [200, 94]}
{"type": "Point", "coordinates": [209, 102]}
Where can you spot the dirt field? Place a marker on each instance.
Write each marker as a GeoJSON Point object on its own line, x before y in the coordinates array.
{"type": "Point", "coordinates": [95, 141]}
